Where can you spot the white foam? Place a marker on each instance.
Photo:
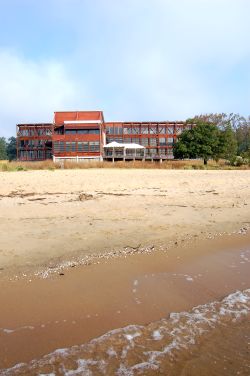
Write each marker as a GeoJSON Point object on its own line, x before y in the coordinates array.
{"type": "Point", "coordinates": [157, 335]}
{"type": "Point", "coordinates": [176, 334]}
{"type": "Point", "coordinates": [8, 331]}
{"type": "Point", "coordinates": [131, 336]}
{"type": "Point", "coordinates": [111, 352]}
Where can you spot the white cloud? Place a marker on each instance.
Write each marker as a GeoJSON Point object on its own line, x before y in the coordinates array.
{"type": "Point", "coordinates": [168, 59]}
{"type": "Point", "coordinates": [136, 60]}
{"type": "Point", "coordinates": [31, 91]}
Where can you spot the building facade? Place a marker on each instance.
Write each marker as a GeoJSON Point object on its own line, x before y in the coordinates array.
{"type": "Point", "coordinates": [82, 135]}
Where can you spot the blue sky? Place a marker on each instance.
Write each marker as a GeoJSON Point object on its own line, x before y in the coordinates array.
{"type": "Point", "coordinates": [134, 59]}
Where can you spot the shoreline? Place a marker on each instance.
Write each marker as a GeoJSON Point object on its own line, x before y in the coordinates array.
{"type": "Point", "coordinates": [87, 302]}
{"type": "Point", "coordinates": [59, 266]}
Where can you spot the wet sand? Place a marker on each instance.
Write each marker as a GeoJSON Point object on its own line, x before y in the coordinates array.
{"type": "Point", "coordinates": [41, 315]}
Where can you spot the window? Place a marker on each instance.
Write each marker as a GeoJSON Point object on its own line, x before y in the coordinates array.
{"type": "Point", "coordinates": [144, 129]}
{"type": "Point", "coordinates": [68, 146]}
{"type": "Point", "coordinates": [153, 142]}
{"type": "Point", "coordinates": [31, 154]}
{"type": "Point", "coordinates": [82, 131]}
{"type": "Point", "coordinates": [70, 131]}
{"type": "Point", "coordinates": [40, 143]}
{"type": "Point", "coordinates": [152, 130]}
{"type": "Point", "coordinates": [93, 131]}
{"type": "Point", "coordinates": [118, 139]}
{"type": "Point", "coordinates": [162, 151]}
{"type": "Point", "coordinates": [80, 146]}
{"type": "Point", "coordinates": [135, 140]}
{"type": "Point", "coordinates": [40, 154]}
{"type": "Point", "coordinates": [178, 129]}
{"type": "Point", "coordinates": [23, 154]}
{"type": "Point", "coordinates": [170, 140]}
{"type": "Point", "coordinates": [58, 146]}
{"type": "Point", "coordinates": [162, 129]}
{"type": "Point", "coordinates": [135, 129]}
{"type": "Point", "coordinates": [153, 151]}
{"type": "Point", "coordinates": [170, 129]}
{"type": "Point", "coordinates": [31, 143]}
{"type": "Point", "coordinates": [85, 146]}
{"type": "Point", "coordinates": [162, 141]}
{"type": "Point", "coordinates": [109, 130]}
{"type": "Point", "coordinates": [94, 146]}
{"type": "Point", "coordinates": [73, 146]}
{"type": "Point", "coordinates": [144, 141]}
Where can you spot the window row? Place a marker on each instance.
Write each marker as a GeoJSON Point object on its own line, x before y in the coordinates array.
{"type": "Point", "coordinates": [161, 141]}
{"type": "Point", "coordinates": [60, 146]}
{"type": "Point", "coordinates": [31, 143]}
{"type": "Point", "coordinates": [82, 131]}
{"type": "Point", "coordinates": [144, 130]}
{"type": "Point", "coordinates": [159, 152]}
{"type": "Point", "coordinates": [34, 154]}
{"type": "Point", "coordinates": [34, 132]}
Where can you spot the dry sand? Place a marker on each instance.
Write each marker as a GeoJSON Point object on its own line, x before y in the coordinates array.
{"type": "Point", "coordinates": [48, 216]}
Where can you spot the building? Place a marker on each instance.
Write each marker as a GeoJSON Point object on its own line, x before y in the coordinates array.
{"type": "Point", "coordinates": [82, 135]}
{"type": "Point", "coordinates": [34, 141]}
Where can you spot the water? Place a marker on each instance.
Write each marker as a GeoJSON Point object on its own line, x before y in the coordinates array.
{"type": "Point", "coordinates": [211, 339]}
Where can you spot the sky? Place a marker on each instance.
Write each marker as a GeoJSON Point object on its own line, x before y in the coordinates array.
{"type": "Point", "coordinates": [137, 60]}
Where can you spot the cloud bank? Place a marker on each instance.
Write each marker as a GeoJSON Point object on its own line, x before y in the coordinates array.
{"type": "Point", "coordinates": [136, 60]}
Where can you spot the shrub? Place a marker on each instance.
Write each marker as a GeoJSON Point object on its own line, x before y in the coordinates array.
{"type": "Point", "coordinates": [238, 161]}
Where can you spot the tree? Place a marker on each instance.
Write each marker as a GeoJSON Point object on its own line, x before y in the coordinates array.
{"type": "Point", "coordinates": [227, 143]}
{"type": "Point", "coordinates": [243, 137]}
{"type": "Point", "coordinates": [204, 141]}
{"type": "Point", "coordinates": [234, 124]}
{"type": "Point", "coordinates": [223, 120]}
{"type": "Point", "coordinates": [11, 148]}
{"type": "Point", "coordinates": [3, 153]}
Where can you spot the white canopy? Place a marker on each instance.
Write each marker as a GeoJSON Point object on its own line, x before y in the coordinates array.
{"type": "Point", "coordinates": [125, 146]}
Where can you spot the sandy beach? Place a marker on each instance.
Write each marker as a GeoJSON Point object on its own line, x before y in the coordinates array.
{"type": "Point", "coordinates": [165, 275]}
{"type": "Point", "coordinates": [52, 216]}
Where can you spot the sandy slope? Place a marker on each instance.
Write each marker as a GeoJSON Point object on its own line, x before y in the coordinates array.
{"type": "Point", "coordinates": [45, 214]}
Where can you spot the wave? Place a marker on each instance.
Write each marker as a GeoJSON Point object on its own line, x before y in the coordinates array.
{"type": "Point", "coordinates": [142, 349]}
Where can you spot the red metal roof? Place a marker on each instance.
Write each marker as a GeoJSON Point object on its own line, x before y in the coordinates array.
{"type": "Point", "coordinates": [61, 116]}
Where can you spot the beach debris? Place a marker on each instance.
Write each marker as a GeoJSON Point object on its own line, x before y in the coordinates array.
{"type": "Point", "coordinates": [85, 196]}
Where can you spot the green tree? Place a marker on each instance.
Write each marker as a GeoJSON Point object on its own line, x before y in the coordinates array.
{"type": "Point", "coordinates": [3, 153]}
{"type": "Point", "coordinates": [11, 148]}
{"type": "Point", "coordinates": [227, 143]}
{"type": "Point", "coordinates": [204, 141]}
{"type": "Point", "coordinates": [243, 137]}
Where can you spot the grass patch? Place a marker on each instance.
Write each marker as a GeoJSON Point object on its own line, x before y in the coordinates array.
{"type": "Point", "coordinates": [165, 165]}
